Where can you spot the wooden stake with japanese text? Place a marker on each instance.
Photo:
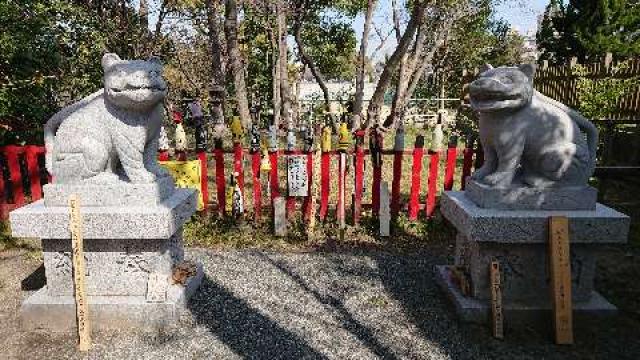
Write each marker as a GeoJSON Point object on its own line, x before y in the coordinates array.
{"type": "Point", "coordinates": [77, 248]}
{"type": "Point", "coordinates": [560, 271]}
{"type": "Point", "coordinates": [496, 300]}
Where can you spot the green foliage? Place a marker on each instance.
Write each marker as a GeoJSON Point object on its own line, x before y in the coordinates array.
{"type": "Point", "coordinates": [597, 98]}
{"type": "Point", "coordinates": [50, 54]}
{"type": "Point", "coordinates": [588, 29]}
{"type": "Point", "coordinates": [332, 45]}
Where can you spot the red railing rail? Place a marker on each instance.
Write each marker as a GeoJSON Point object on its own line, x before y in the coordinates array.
{"type": "Point", "coordinates": [21, 178]}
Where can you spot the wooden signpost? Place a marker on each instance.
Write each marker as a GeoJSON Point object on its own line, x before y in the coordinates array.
{"type": "Point", "coordinates": [77, 247]}
{"type": "Point", "coordinates": [496, 300]}
{"type": "Point", "coordinates": [560, 271]}
{"type": "Point", "coordinates": [297, 176]}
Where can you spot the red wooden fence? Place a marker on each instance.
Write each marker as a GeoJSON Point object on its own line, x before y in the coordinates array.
{"type": "Point", "coordinates": [14, 176]}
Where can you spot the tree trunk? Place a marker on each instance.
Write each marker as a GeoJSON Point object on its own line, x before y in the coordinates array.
{"type": "Point", "coordinates": [235, 62]}
{"type": "Point", "coordinates": [275, 75]}
{"type": "Point", "coordinates": [217, 90]}
{"type": "Point", "coordinates": [306, 60]}
{"type": "Point", "coordinates": [377, 99]}
{"type": "Point", "coordinates": [362, 57]}
{"type": "Point", "coordinates": [162, 13]}
{"type": "Point", "coordinates": [285, 90]}
{"type": "Point", "coordinates": [143, 11]}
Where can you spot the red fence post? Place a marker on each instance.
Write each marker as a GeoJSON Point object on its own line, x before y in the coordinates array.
{"type": "Point", "coordinates": [275, 192]}
{"type": "Point", "coordinates": [467, 162]}
{"type": "Point", "coordinates": [308, 201]}
{"type": "Point", "coordinates": [237, 166]}
{"type": "Point", "coordinates": [341, 183]}
{"type": "Point", "coordinates": [257, 186]}
{"type": "Point", "coordinates": [204, 178]}
{"type": "Point", "coordinates": [398, 152]}
{"type": "Point", "coordinates": [375, 147]}
{"type": "Point", "coordinates": [33, 171]}
{"type": "Point", "coordinates": [181, 155]}
{"type": "Point", "coordinates": [163, 155]}
{"type": "Point", "coordinates": [359, 170]}
{"type": "Point", "coordinates": [452, 154]}
{"type": "Point", "coordinates": [433, 179]}
{"type": "Point", "coordinates": [12, 154]}
{"type": "Point", "coordinates": [220, 180]}
{"type": "Point", "coordinates": [416, 175]}
{"type": "Point", "coordinates": [325, 166]}
{"type": "Point", "coordinates": [3, 191]}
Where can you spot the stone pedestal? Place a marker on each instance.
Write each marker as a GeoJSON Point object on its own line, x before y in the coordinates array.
{"type": "Point", "coordinates": [125, 242]}
{"type": "Point", "coordinates": [518, 240]}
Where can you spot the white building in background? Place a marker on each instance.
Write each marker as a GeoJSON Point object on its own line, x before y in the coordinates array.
{"type": "Point", "coordinates": [309, 92]}
{"type": "Point", "coordinates": [530, 54]}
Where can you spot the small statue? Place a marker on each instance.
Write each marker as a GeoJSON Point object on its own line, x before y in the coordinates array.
{"type": "Point", "coordinates": [437, 137]}
{"type": "Point", "coordinates": [325, 142]}
{"type": "Point", "coordinates": [547, 143]}
{"type": "Point", "coordinates": [375, 146]}
{"type": "Point", "coordinates": [273, 138]}
{"type": "Point", "coordinates": [237, 209]}
{"type": "Point", "coordinates": [163, 140]}
{"type": "Point", "coordinates": [201, 137]}
{"type": "Point", "coordinates": [291, 139]}
{"type": "Point", "coordinates": [265, 162]}
{"type": "Point", "coordinates": [255, 139]}
{"type": "Point", "coordinates": [237, 130]}
{"type": "Point", "coordinates": [307, 138]}
{"type": "Point", "coordinates": [344, 137]}
{"type": "Point", "coordinates": [181, 135]}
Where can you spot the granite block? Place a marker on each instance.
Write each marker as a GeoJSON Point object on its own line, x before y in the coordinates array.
{"type": "Point", "coordinates": [527, 198]}
{"type": "Point", "coordinates": [524, 270]}
{"type": "Point", "coordinates": [42, 311]}
{"type": "Point", "coordinates": [478, 311]}
{"type": "Point", "coordinates": [120, 193]}
{"type": "Point", "coordinates": [107, 222]}
{"type": "Point", "coordinates": [602, 225]}
{"type": "Point", "coordinates": [115, 267]}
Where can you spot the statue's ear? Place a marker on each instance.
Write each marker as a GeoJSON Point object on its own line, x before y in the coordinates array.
{"type": "Point", "coordinates": [528, 69]}
{"type": "Point", "coordinates": [108, 60]}
{"type": "Point", "coordinates": [155, 60]}
{"type": "Point", "coordinates": [485, 67]}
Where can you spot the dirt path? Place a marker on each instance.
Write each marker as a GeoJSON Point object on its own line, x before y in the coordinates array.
{"type": "Point", "coordinates": [355, 305]}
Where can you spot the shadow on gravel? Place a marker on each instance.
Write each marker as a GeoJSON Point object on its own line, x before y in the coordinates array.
{"type": "Point", "coordinates": [35, 281]}
{"type": "Point", "coordinates": [247, 332]}
{"type": "Point", "coordinates": [361, 331]}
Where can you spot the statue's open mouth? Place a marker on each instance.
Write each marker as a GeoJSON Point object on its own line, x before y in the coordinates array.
{"type": "Point", "coordinates": [487, 95]}
{"type": "Point", "coordinates": [139, 88]}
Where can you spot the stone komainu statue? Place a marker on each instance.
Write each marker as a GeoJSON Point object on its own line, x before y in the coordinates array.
{"type": "Point", "coordinates": [112, 134]}
{"type": "Point", "coordinates": [528, 138]}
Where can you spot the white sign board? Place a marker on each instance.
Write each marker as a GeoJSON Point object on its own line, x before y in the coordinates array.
{"type": "Point", "coordinates": [157, 287]}
{"type": "Point", "coordinates": [297, 175]}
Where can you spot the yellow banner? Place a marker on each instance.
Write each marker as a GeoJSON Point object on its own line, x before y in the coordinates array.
{"type": "Point", "coordinates": [186, 174]}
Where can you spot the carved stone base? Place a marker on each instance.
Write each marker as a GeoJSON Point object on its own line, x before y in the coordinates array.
{"type": "Point", "coordinates": [527, 198]}
{"type": "Point", "coordinates": [518, 240]}
{"type": "Point", "coordinates": [130, 253]}
{"type": "Point", "coordinates": [44, 312]}
{"type": "Point", "coordinates": [117, 194]}
{"type": "Point", "coordinates": [473, 310]}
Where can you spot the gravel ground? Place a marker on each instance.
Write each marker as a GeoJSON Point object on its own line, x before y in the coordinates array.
{"type": "Point", "coordinates": [340, 305]}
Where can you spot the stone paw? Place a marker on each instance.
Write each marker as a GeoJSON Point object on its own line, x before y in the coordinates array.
{"type": "Point", "coordinates": [142, 177]}
{"type": "Point", "coordinates": [499, 179]}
